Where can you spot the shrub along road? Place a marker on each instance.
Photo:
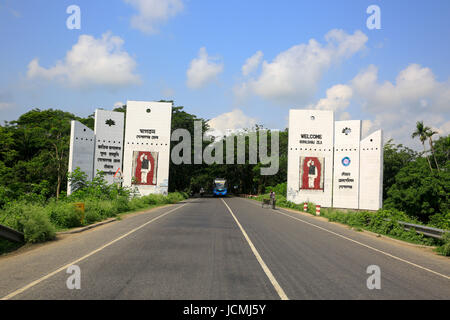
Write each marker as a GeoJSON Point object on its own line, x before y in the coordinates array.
{"type": "Point", "coordinates": [224, 249]}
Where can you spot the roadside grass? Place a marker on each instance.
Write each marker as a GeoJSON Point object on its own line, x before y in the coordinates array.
{"type": "Point", "coordinates": [445, 248]}
{"type": "Point", "coordinates": [40, 222]}
{"type": "Point", "coordinates": [383, 222]}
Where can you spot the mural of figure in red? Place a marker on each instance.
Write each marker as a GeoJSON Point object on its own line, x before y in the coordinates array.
{"type": "Point", "coordinates": [145, 166]}
{"type": "Point", "coordinates": [311, 173]}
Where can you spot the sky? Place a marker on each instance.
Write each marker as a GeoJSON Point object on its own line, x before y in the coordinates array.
{"type": "Point", "coordinates": [237, 63]}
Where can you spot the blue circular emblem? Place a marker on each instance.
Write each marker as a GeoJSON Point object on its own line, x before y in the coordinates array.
{"type": "Point", "coordinates": [346, 161]}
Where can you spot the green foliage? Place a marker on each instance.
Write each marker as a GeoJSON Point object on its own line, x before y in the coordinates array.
{"type": "Point", "coordinates": [63, 214]}
{"type": "Point", "coordinates": [78, 179]}
{"type": "Point", "coordinates": [445, 248]}
{"type": "Point", "coordinates": [30, 219]}
{"type": "Point", "coordinates": [311, 208]}
{"type": "Point", "coordinates": [440, 220]}
{"type": "Point", "coordinates": [37, 227]}
{"type": "Point", "coordinates": [98, 210]}
{"type": "Point", "coordinates": [180, 175]}
{"type": "Point", "coordinates": [280, 189]}
{"type": "Point", "coordinates": [383, 221]}
{"type": "Point", "coordinates": [395, 158]}
{"type": "Point", "coordinates": [34, 153]}
{"type": "Point", "coordinates": [6, 196]}
{"type": "Point", "coordinates": [419, 192]}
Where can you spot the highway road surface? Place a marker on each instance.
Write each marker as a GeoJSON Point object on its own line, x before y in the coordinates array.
{"type": "Point", "coordinates": [226, 249]}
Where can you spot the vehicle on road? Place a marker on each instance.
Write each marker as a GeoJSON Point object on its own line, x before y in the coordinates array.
{"type": "Point", "coordinates": [220, 187]}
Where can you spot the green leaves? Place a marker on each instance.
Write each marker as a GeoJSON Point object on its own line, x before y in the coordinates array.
{"type": "Point", "coordinates": [419, 192]}
{"type": "Point", "coordinates": [35, 148]}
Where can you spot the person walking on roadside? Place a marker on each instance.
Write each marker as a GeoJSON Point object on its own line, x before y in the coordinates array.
{"type": "Point", "coordinates": [272, 199]}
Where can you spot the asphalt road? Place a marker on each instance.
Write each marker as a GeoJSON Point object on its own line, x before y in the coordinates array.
{"type": "Point", "coordinates": [230, 249]}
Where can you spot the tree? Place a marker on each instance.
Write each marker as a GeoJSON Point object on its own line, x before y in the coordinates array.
{"type": "Point", "coordinates": [395, 158]}
{"type": "Point", "coordinates": [34, 152]}
{"type": "Point", "coordinates": [51, 129]}
{"type": "Point", "coordinates": [442, 150]}
{"type": "Point", "coordinates": [419, 193]}
{"type": "Point", "coordinates": [422, 133]}
{"type": "Point", "coordinates": [430, 133]}
{"type": "Point", "coordinates": [180, 175]}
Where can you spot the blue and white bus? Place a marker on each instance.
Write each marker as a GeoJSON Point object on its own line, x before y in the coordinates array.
{"type": "Point", "coordinates": [220, 187]}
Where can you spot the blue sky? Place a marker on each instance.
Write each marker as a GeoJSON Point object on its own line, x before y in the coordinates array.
{"type": "Point", "coordinates": [152, 49]}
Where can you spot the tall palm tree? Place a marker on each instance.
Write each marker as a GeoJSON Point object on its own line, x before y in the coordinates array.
{"type": "Point", "coordinates": [430, 134]}
{"type": "Point", "coordinates": [421, 132]}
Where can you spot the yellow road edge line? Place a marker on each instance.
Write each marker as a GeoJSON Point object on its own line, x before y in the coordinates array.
{"type": "Point", "coordinates": [265, 268]}
{"type": "Point", "coordinates": [32, 284]}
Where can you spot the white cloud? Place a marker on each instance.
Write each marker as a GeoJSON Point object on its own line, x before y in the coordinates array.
{"type": "Point", "coordinates": [345, 116]}
{"type": "Point", "coordinates": [415, 87]}
{"type": "Point", "coordinates": [293, 75]}
{"type": "Point", "coordinates": [230, 122]}
{"type": "Point", "coordinates": [119, 104]}
{"type": "Point", "coordinates": [252, 63]}
{"type": "Point", "coordinates": [338, 98]}
{"type": "Point", "coordinates": [91, 62]}
{"type": "Point", "coordinates": [366, 128]}
{"type": "Point", "coordinates": [444, 128]}
{"type": "Point", "coordinates": [415, 95]}
{"type": "Point", "coordinates": [203, 70]}
{"type": "Point", "coordinates": [152, 13]}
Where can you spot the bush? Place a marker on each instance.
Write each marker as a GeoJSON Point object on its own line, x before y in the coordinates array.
{"type": "Point", "coordinates": [382, 222]}
{"type": "Point", "coordinates": [311, 208]}
{"type": "Point", "coordinates": [279, 189]}
{"type": "Point", "coordinates": [445, 248]}
{"type": "Point", "coordinates": [122, 204]}
{"type": "Point", "coordinates": [11, 214]}
{"type": "Point", "coordinates": [138, 203]}
{"type": "Point", "coordinates": [154, 199]}
{"type": "Point", "coordinates": [30, 219]}
{"type": "Point", "coordinates": [175, 197]}
{"type": "Point", "coordinates": [6, 196]}
{"type": "Point", "coordinates": [64, 215]}
{"type": "Point", "coordinates": [97, 210]}
{"type": "Point", "coordinates": [441, 221]}
{"type": "Point", "coordinates": [419, 192]}
{"type": "Point", "coordinates": [37, 226]}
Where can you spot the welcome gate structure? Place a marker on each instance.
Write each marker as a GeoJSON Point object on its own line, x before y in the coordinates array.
{"type": "Point", "coordinates": [330, 165]}
{"type": "Point", "coordinates": [140, 148]}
